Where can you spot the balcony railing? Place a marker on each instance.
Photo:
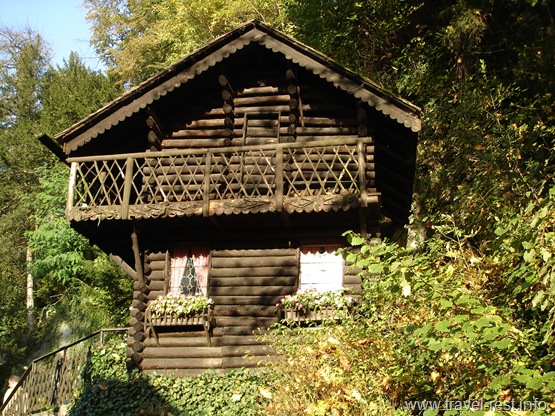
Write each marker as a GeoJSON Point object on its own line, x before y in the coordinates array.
{"type": "Point", "coordinates": [278, 177]}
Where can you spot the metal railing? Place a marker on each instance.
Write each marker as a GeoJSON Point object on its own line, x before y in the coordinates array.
{"type": "Point", "coordinates": [53, 379]}
{"type": "Point", "coordinates": [200, 177]}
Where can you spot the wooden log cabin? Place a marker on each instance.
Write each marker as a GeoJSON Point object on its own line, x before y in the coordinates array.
{"type": "Point", "coordinates": [247, 159]}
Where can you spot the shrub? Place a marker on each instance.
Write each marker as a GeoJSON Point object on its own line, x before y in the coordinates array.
{"type": "Point", "coordinates": [179, 305]}
{"type": "Point", "coordinates": [109, 389]}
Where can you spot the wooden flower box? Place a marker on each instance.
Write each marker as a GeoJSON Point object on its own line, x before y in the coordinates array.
{"type": "Point", "coordinates": [317, 315]}
{"type": "Point", "coordinates": [202, 318]}
{"type": "Point", "coordinates": [173, 321]}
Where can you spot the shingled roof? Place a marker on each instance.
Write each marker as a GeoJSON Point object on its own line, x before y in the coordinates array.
{"type": "Point", "coordinates": [216, 51]}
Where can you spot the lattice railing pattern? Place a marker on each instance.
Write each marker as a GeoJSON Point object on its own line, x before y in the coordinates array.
{"type": "Point", "coordinates": [53, 379]}
{"type": "Point", "coordinates": [322, 170]}
{"type": "Point", "coordinates": [218, 174]}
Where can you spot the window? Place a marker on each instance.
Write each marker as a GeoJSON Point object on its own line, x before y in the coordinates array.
{"type": "Point", "coordinates": [321, 268]}
{"type": "Point", "coordinates": [189, 271]}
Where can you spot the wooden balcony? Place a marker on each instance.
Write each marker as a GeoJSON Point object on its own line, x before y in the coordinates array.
{"type": "Point", "coordinates": [312, 176]}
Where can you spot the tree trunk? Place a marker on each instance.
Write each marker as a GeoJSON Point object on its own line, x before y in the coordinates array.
{"type": "Point", "coordinates": [30, 303]}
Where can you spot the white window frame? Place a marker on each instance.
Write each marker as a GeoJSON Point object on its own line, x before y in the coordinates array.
{"type": "Point", "coordinates": [320, 268]}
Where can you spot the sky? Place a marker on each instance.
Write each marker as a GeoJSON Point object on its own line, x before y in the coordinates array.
{"type": "Point", "coordinates": [60, 22]}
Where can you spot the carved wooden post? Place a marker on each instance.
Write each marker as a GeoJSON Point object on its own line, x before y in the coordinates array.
{"type": "Point", "coordinates": [363, 210]}
{"type": "Point", "coordinates": [71, 189]}
{"type": "Point", "coordinates": [279, 178]}
{"type": "Point", "coordinates": [361, 153]}
{"type": "Point", "coordinates": [206, 191]}
{"type": "Point", "coordinates": [127, 188]}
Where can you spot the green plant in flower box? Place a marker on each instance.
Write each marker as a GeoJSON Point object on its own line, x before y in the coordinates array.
{"type": "Point", "coordinates": [179, 305]}
{"type": "Point", "coordinates": [311, 300]}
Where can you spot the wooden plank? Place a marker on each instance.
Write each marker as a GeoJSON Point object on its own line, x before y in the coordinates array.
{"type": "Point", "coordinates": [265, 90]}
{"type": "Point", "coordinates": [196, 142]}
{"type": "Point", "coordinates": [71, 189]}
{"type": "Point", "coordinates": [156, 285]}
{"type": "Point", "coordinates": [245, 300]}
{"type": "Point", "coordinates": [253, 281]}
{"type": "Point", "coordinates": [181, 134]}
{"type": "Point", "coordinates": [276, 252]}
{"type": "Point", "coordinates": [321, 142]}
{"type": "Point", "coordinates": [244, 331]}
{"type": "Point", "coordinates": [244, 262]}
{"type": "Point", "coordinates": [254, 272]}
{"type": "Point", "coordinates": [206, 199]}
{"type": "Point", "coordinates": [175, 332]}
{"type": "Point", "coordinates": [155, 256]}
{"type": "Point", "coordinates": [153, 294]}
{"type": "Point", "coordinates": [155, 275]}
{"type": "Point", "coordinates": [157, 264]}
{"type": "Point", "coordinates": [245, 310]}
{"type": "Point", "coordinates": [251, 290]}
{"type": "Point", "coordinates": [254, 322]}
{"type": "Point", "coordinates": [238, 340]}
{"type": "Point", "coordinates": [128, 182]}
{"type": "Point", "coordinates": [182, 363]}
{"type": "Point", "coordinates": [351, 280]}
{"type": "Point", "coordinates": [279, 180]}
{"type": "Point", "coordinates": [260, 100]}
{"type": "Point", "coordinates": [180, 352]}
{"type": "Point", "coordinates": [182, 372]}
{"type": "Point", "coordinates": [182, 342]}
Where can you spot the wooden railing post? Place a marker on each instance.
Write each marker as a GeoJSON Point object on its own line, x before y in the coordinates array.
{"type": "Point", "coordinates": [206, 190]}
{"type": "Point", "coordinates": [279, 179]}
{"type": "Point", "coordinates": [361, 153]}
{"type": "Point", "coordinates": [128, 183]}
{"type": "Point", "coordinates": [71, 188]}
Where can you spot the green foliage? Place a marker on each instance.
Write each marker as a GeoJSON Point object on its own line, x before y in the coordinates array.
{"type": "Point", "coordinates": [72, 92]}
{"type": "Point", "coordinates": [312, 299]}
{"type": "Point", "coordinates": [328, 370]}
{"type": "Point", "coordinates": [136, 39]}
{"type": "Point", "coordinates": [180, 305]}
{"type": "Point", "coordinates": [109, 389]}
{"type": "Point", "coordinates": [446, 315]}
{"type": "Point", "coordinates": [367, 36]}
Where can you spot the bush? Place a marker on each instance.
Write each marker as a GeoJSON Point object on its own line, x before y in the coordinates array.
{"type": "Point", "coordinates": [109, 389]}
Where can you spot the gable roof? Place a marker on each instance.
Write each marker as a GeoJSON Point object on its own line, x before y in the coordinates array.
{"type": "Point", "coordinates": [216, 51]}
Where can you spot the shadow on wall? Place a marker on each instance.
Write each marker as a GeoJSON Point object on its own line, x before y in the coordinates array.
{"type": "Point", "coordinates": [110, 387]}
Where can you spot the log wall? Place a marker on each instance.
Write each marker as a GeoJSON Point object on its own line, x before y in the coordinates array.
{"type": "Point", "coordinates": [245, 286]}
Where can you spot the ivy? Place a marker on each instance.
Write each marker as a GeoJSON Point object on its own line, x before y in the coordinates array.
{"type": "Point", "coordinates": [110, 389]}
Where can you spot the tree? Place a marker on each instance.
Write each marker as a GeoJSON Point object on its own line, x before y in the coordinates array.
{"type": "Point", "coordinates": [23, 56]}
{"type": "Point", "coordinates": [137, 38]}
{"type": "Point", "coordinates": [36, 98]}
{"type": "Point", "coordinates": [86, 287]}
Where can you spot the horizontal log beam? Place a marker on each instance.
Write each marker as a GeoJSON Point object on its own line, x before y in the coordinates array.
{"type": "Point", "coordinates": [182, 342]}
{"type": "Point", "coordinates": [255, 322]}
{"type": "Point", "coordinates": [306, 142]}
{"type": "Point", "coordinates": [245, 310]}
{"type": "Point", "coordinates": [253, 281]}
{"type": "Point", "coordinates": [247, 262]}
{"type": "Point", "coordinates": [237, 340]}
{"type": "Point", "coordinates": [251, 290]}
{"type": "Point", "coordinates": [199, 141]}
{"type": "Point", "coordinates": [260, 271]}
{"type": "Point", "coordinates": [245, 300]}
{"type": "Point", "coordinates": [182, 353]}
{"type": "Point", "coordinates": [255, 253]}
{"type": "Point", "coordinates": [181, 363]}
